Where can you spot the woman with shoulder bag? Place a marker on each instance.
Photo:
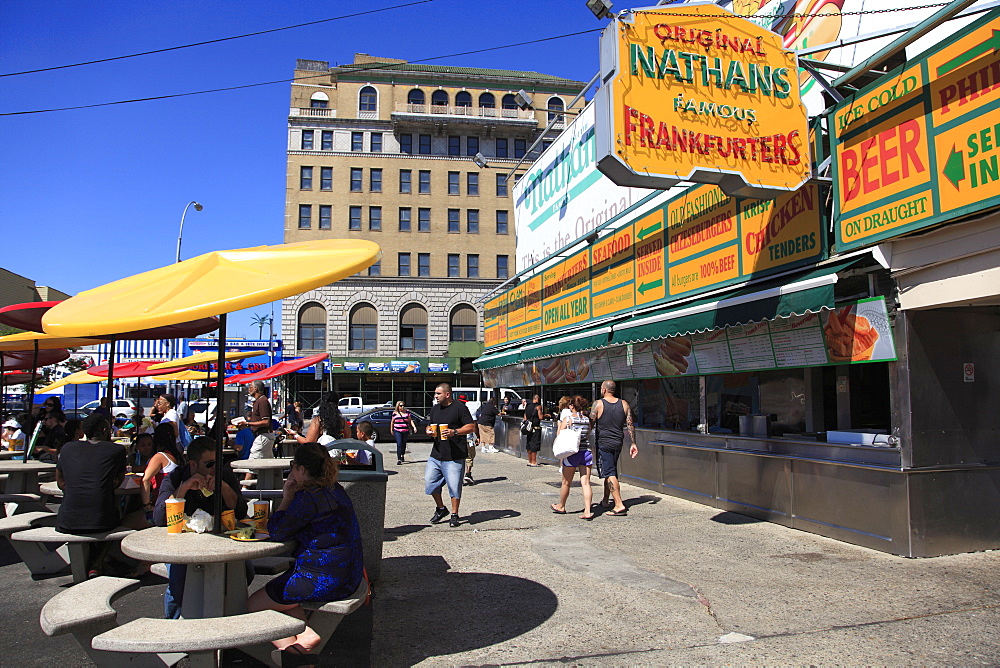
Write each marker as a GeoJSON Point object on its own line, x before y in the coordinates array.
{"type": "Point", "coordinates": [402, 427]}
{"type": "Point", "coordinates": [579, 421]}
{"type": "Point", "coordinates": [533, 416]}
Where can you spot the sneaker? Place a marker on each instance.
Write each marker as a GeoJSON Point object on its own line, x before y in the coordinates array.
{"type": "Point", "coordinates": [468, 479]}
{"type": "Point", "coordinates": [399, 462]}
{"type": "Point", "coordinates": [454, 520]}
{"type": "Point", "coordinates": [439, 515]}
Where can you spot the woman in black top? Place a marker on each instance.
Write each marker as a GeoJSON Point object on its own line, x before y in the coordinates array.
{"type": "Point", "coordinates": [533, 413]}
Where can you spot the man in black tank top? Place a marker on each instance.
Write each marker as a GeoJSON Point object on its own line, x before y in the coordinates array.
{"type": "Point", "coordinates": [612, 416]}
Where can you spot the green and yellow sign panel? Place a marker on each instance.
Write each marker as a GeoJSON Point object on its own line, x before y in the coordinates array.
{"type": "Point", "coordinates": [697, 241]}
{"type": "Point", "coordinates": [922, 145]}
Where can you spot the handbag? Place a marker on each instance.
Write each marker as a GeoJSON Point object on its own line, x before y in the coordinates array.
{"type": "Point", "coordinates": [526, 427]}
{"type": "Point", "coordinates": [567, 443]}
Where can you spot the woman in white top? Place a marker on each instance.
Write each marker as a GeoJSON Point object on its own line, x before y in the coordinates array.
{"type": "Point", "coordinates": [165, 405]}
{"type": "Point", "coordinates": [578, 420]}
{"type": "Point", "coordinates": [165, 459]}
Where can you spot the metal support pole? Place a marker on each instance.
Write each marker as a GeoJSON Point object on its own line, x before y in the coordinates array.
{"type": "Point", "coordinates": [31, 385]}
{"type": "Point", "coordinates": [220, 427]}
{"type": "Point", "coordinates": [111, 373]}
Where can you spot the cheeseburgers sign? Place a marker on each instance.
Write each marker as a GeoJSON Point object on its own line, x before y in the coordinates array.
{"type": "Point", "coordinates": [695, 93]}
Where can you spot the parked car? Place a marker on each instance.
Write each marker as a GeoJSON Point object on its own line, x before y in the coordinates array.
{"type": "Point", "coordinates": [120, 408]}
{"type": "Point", "coordinates": [473, 397]}
{"type": "Point", "coordinates": [199, 408]}
{"type": "Point", "coordinates": [381, 420]}
{"type": "Point", "coordinates": [352, 406]}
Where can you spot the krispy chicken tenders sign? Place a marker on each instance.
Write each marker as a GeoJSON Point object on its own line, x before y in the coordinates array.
{"type": "Point", "coordinates": [696, 93]}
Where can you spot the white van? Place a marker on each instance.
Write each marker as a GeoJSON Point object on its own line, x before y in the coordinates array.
{"type": "Point", "coordinates": [473, 397]}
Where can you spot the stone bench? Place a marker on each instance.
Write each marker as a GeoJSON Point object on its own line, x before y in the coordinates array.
{"type": "Point", "coordinates": [50, 489]}
{"type": "Point", "coordinates": [85, 611]}
{"type": "Point", "coordinates": [200, 639]}
{"type": "Point", "coordinates": [15, 504]}
{"type": "Point", "coordinates": [39, 559]}
{"type": "Point", "coordinates": [78, 545]}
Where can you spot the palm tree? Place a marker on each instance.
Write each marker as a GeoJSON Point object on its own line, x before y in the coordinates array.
{"type": "Point", "coordinates": [260, 321]}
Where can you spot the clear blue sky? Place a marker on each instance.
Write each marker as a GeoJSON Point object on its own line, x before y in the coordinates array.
{"type": "Point", "coordinates": [90, 196]}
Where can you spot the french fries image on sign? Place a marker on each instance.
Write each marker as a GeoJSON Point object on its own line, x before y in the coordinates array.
{"type": "Point", "coordinates": [849, 337]}
{"type": "Point", "coordinates": [670, 356]}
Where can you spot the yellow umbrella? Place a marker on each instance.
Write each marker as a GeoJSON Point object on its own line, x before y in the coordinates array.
{"type": "Point", "coordinates": [78, 378]}
{"type": "Point", "coordinates": [26, 341]}
{"type": "Point", "coordinates": [202, 358]}
{"type": "Point", "coordinates": [188, 374]}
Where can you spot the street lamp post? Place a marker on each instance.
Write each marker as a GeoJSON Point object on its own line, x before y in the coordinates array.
{"type": "Point", "coordinates": [180, 235]}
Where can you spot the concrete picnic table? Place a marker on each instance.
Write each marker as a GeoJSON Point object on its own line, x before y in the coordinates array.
{"type": "Point", "coordinates": [10, 454]}
{"type": "Point", "coordinates": [216, 583]}
{"type": "Point", "coordinates": [22, 477]}
{"type": "Point", "coordinates": [267, 470]}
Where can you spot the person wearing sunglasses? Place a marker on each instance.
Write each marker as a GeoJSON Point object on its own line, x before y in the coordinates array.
{"type": "Point", "coordinates": [187, 482]}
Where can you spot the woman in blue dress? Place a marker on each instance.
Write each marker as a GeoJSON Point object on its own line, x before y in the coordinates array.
{"type": "Point", "coordinates": [316, 512]}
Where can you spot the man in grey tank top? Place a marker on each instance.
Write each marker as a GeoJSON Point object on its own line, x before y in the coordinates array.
{"type": "Point", "coordinates": [612, 416]}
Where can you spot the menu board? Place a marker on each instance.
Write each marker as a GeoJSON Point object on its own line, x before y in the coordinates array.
{"type": "Point", "coordinates": [798, 341]}
{"type": "Point", "coordinates": [750, 346]}
{"type": "Point", "coordinates": [711, 351]}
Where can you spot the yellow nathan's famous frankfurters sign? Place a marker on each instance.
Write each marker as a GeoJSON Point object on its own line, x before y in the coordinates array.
{"type": "Point", "coordinates": [696, 93]}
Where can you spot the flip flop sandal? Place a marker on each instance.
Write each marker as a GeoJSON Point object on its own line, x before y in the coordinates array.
{"type": "Point", "coordinates": [586, 517]}
{"type": "Point", "coordinates": [555, 510]}
{"type": "Point", "coordinates": [617, 513]}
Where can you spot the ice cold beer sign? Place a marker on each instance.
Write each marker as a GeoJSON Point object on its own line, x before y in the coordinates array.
{"type": "Point", "coordinates": [698, 94]}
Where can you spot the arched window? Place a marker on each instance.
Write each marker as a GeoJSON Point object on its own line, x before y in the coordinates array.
{"type": "Point", "coordinates": [487, 101]}
{"type": "Point", "coordinates": [508, 102]}
{"type": "Point", "coordinates": [364, 328]}
{"type": "Point", "coordinates": [368, 99]}
{"type": "Point", "coordinates": [319, 100]}
{"type": "Point", "coordinates": [416, 96]}
{"type": "Point", "coordinates": [464, 320]}
{"type": "Point", "coordinates": [413, 328]}
{"type": "Point", "coordinates": [312, 327]}
{"type": "Point", "coordinates": [555, 104]}
{"type": "Point", "coordinates": [439, 98]}
{"type": "Point", "coordinates": [463, 99]}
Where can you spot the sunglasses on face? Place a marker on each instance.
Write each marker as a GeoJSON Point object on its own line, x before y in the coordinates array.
{"type": "Point", "coordinates": [210, 464]}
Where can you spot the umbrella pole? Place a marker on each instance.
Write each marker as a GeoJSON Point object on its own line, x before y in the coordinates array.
{"type": "Point", "coordinates": [220, 435]}
{"type": "Point", "coordinates": [111, 376]}
{"type": "Point", "coordinates": [31, 385]}
{"type": "Point", "coordinates": [3, 392]}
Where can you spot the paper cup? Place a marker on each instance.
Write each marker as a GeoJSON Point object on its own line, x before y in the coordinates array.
{"type": "Point", "coordinates": [440, 430]}
{"type": "Point", "coordinates": [260, 510]}
{"type": "Point", "coordinates": [228, 520]}
{"type": "Point", "coordinates": [175, 515]}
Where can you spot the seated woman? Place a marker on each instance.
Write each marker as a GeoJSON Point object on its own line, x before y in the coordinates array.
{"type": "Point", "coordinates": [166, 457]}
{"type": "Point", "coordinates": [326, 426]}
{"type": "Point", "coordinates": [316, 512]}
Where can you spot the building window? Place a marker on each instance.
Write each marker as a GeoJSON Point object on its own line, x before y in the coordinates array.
{"type": "Point", "coordinates": [472, 221]}
{"type": "Point", "coordinates": [453, 188]}
{"type": "Point", "coordinates": [307, 140]}
{"type": "Point", "coordinates": [375, 180]}
{"type": "Point", "coordinates": [363, 327]}
{"type": "Point", "coordinates": [502, 222]}
{"type": "Point", "coordinates": [404, 264]}
{"type": "Point", "coordinates": [376, 142]}
{"type": "Point", "coordinates": [326, 178]}
{"type": "Point", "coordinates": [425, 145]}
{"type": "Point", "coordinates": [319, 100]}
{"type": "Point", "coordinates": [423, 220]}
{"type": "Point", "coordinates": [454, 221]}
{"type": "Point", "coordinates": [423, 264]}
{"type": "Point", "coordinates": [312, 327]}
{"type": "Point", "coordinates": [424, 184]}
{"type": "Point", "coordinates": [404, 218]}
{"type": "Point", "coordinates": [375, 218]}
{"type": "Point", "coordinates": [508, 102]}
{"type": "Point", "coordinates": [464, 321]}
{"type": "Point", "coordinates": [405, 175]}
{"type": "Point", "coordinates": [472, 265]}
{"type": "Point", "coordinates": [501, 185]}
{"type": "Point", "coordinates": [354, 223]}
{"type": "Point", "coordinates": [356, 176]}
{"type": "Point", "coordinates": [520, 146]}
{"type": "Point", "coordinates": [406, 143]}
{"type": "Point", "coordinates": [503, 268]}
{"type": "Point", "coordinates": [439, 98]}
{"type": "Point", "coordinates": [357, 141]}
{"type": "Point", "coordinates": [413, 328]}
{"type": "Point", "coordinates": [472, 183]}
{"type": "Point", "coordinates": [463, 99]}
{"type": "Point", "coordinates": [555, 105]}
{"type": "Point", "coordinates": [453, 265]}
{"type": "Point", "coordinates": [471, 146]}
{"type": "Point", "coordinates": [368, 99]}
{"type": "Point", "coordinates": [545, 145]}
{"type": "Point", "coordinates": [454, 146]}
{"type": "Point", "coordinates": [502, 148]}
{"type": "Point", "coordinates": [487, 101]}
{"type": "Point", "coordinates": [416, 96]}
{"type": "Point", "coordinates": [324, 216]}
{"type": "Point", "coordinates": [305, 216]}
{"type": "Point", "coordinates": [326, 139]}
{"type": "Point", "coordinates": [375, 269]}
{"type": "Point", "coordinates": [306, 178]}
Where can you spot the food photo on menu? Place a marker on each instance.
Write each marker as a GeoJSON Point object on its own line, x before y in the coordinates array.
{"type": "Point", "coordinates": [850, 336]}
{"type": "Point", "coordinates": [672, 356]}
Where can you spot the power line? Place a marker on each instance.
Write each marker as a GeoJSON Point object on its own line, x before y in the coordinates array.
{"type": "Point", "coordinates": [374, 66]}
{"type": "Point", "coordinates": [215, 41]}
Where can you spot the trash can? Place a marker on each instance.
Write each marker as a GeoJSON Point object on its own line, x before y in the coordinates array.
{"type": "Point", "coordinates": [366, 486]}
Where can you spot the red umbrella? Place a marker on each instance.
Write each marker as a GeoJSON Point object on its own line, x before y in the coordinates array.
{"type": "Point", "coordinates": [27, 316]}
{"type": "Point", "coordinates": [128, 370]}
{"type": "Point", "coordinates": [279, 369]}
{"type": "Point", "coordinates": [25, 359]}
{"type": "Point", "coordinates": [17, 378]}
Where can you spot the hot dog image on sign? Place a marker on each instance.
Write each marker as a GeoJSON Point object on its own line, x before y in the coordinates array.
{"type": "Point", "coordinates": [696, 93]}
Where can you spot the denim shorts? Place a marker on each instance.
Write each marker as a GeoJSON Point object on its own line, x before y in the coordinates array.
{"type": "Point", "coordinates": [438, 473]}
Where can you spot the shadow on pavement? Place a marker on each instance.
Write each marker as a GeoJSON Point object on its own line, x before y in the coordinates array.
{"type": "Point", "coordinates": [392, 533]}
{"type": "Point", "coordinates": [728, 517]}
{"type": "Point", "coordinates": [488, 515]}
{"type": "Point", "coordinates": [423, 610]}
{"type": "Point", "coordinates": [483, 481]}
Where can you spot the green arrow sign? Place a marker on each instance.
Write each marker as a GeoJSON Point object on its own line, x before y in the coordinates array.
{"type": "Point", "coordinates": [646, 231]}
{"type": "Point", "coordinates": [954, 168]}
{"type": "Point", "coordinates": [658, 283]}
{"type": "Point", "coordinates": [990, 44]}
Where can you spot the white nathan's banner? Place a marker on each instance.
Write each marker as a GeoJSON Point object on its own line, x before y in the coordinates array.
{"type": "Point", "coordinates": [563, 196]}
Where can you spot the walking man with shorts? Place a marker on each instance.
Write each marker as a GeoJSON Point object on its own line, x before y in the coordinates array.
{"type": "Point", "coordinates": [612, 417]}
{"type": "Point", "coordinates": [450, 422]}
{"type": "Point", "coordinates": [487, 418]}
{"type": "Point", "coordinates": [260, 422]}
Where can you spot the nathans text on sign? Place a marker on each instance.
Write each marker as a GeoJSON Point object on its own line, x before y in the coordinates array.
{"type": "Point", "coordinates": [699, 94]}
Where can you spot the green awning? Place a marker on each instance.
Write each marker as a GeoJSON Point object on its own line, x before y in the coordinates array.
{"type": "Point", "coordinates": [495, 360]}
{"type": "Point", "coordinates": [575, 342]}
{"type": "Point", "coordinates": [808, 292]}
